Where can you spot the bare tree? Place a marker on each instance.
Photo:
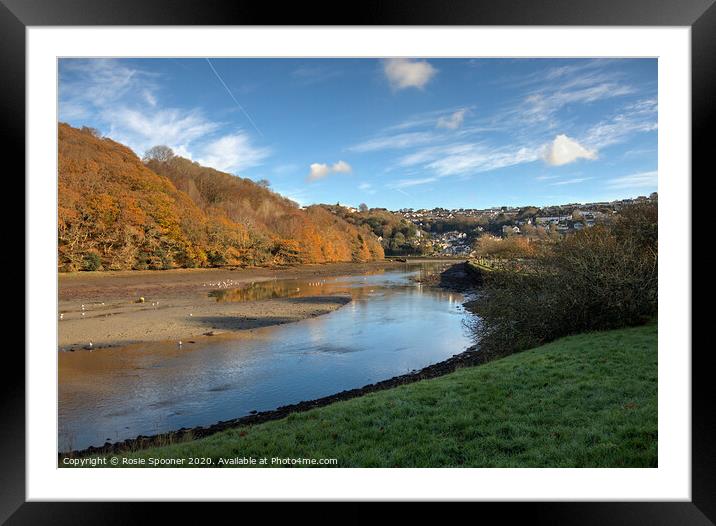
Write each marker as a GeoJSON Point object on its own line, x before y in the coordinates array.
{"type": "Point", "coordinates": [159, 153]}
{"type": "Point", "coordinates": [363, 207]}
{"type": "Point", "coordinates": [92, 131]}
{"type": "Point", "coordinates": [265, 183]}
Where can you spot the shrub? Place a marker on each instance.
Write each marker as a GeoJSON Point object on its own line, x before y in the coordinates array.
{"type": "Point", "coordinates": [91, 261]}
{"type": "Point", "coordinates": [600, 278]}
{"type": "Point", "coordinates": [286, 251]}
{"type": "Point", "coordinates": [215, 258]}
{"type": "Point", "coordinates": [509, 247]}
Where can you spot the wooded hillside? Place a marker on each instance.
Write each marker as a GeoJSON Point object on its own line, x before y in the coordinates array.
{"type": "Point", "coordinates": [398, 236]}
{"type": "Point", "coordinates": [116, 212]}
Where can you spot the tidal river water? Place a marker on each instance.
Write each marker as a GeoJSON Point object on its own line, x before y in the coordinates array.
{"type": "Point", "coordinates": [394, 324]}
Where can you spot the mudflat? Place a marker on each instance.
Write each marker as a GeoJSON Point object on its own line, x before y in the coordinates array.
{"type": "Point", "coordinates": [100, 309]}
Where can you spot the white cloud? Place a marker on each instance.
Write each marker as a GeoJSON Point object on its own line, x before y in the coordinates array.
{"type": "Point", "coordinates": [149, 97]}
{"type": "Point", "coordinates": [477, 158]}
{"type": "Point", "coordinates": [560, 87]}
{"type": "Point", "coordinates": [311, 74]}
{"type": "Point", "coordinates": [182, 151]}
{"type": "Point", "coordinates": [73, 111]}
{"type": "Point", "coordinates": [405, 73]}
{"type": "Point", "coordinates": [318, 171]}
{"type": "Point", "coordinates": [99, 82]}
{"type": "Point", "coordinates": [321, 170]}
{"type": "Point", "coordinates": [123, 101]}
{"type": "Point", "coordinates": [546, 177]}
{"type": "Point", "coordinates": [283, 169]}
{"type": "Point", "coordinates": [465, 158]}
{"type": "Point", "coordinates": [367, 188]}
{"type": "Point", "coordinates": [232, 153]}
{"type": "Point", "coordinates": [393, 142]}
{"type": "Point", "coordinates": [341, 167]}
{"type": "Point", "coordinates": [140, 130]}
{"type": "Point", "coordinates": [576, 180]}
{"type": "Point", "coordinates": [406, 183]}
{"type": "Point", "coordinates": [452, 122]}
{"type": "Point", "coordinates": [564, 150]}
{"type": "Point", "coordinates": [442, 143]}
{"type": "Point", "coordinates": [541, 97]}
{"type": "Point", "coordinates": [637, 180]}
{"type": "Point", "coordinates": [426, 119]}
{"type": "Point", "coordinates": [634, 118]}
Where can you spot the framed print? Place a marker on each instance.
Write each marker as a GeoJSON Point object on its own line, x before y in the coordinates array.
{"type": "Point", "coordinates": [414, 254]}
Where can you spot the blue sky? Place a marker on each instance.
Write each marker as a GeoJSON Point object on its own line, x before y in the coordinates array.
{"type": "Point", "coordinates": [394, 133]}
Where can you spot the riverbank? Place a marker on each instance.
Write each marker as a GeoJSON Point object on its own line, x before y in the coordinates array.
{"type": "Point", "coordinates": [582, 401]}
{"type": "Point", "coordinates": [464, 359]}
{"type": "Point", "coordinates": [120, 308]}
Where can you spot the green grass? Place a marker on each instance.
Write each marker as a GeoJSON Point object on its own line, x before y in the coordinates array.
{"type": "Point", "coordinates": [583, 401]}
{"type": "Point", "coordinates": [477, 266]}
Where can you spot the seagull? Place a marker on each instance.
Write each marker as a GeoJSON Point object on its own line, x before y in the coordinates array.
{"type": "Point", "coordinates": [179, 343]}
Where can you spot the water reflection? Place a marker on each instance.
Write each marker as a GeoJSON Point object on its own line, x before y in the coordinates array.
{"type": "Point", "coordinates": [302, 288]}
{"type": "Point", "coordinates": [392, 326]}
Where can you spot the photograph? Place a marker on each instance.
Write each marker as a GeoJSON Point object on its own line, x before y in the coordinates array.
{"type": "Point", "coordinates": [408, 256]}
{"type": "Point", "coordinates": [357, 262]}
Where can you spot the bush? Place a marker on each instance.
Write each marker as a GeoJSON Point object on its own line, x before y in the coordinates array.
{"type": "Point", "coordinates": [600, 278]}
{"type": "Point", "coordinates": [509, 247]}
{"type": "Point", "coordinates": [287, 251]}
{"type": "Point", "coordinates": [91, 261]}
{"type": "Point", "coordinates": [215, 258]}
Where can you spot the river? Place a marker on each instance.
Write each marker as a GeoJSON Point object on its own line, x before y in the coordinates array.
{"type": "Point", "coordinates": [394, 324]}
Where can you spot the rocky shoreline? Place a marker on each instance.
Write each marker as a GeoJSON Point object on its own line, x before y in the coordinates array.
{"type": "Point", "coordinates": [454, 278]}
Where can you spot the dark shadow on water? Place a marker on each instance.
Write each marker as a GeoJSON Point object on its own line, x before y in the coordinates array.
{"type": "Point", "coordinates": [332, 349]}
{"type": "Point", "coordinates": [122, 412]}
{"type": "Point", "coordinates": [219, 388]}
{"type": "Point", "coordinates": [161, 403]}
{"type": "Point", "coordinates": [233, 323]}
{"type": "Point", "coordinates": [321, 300]}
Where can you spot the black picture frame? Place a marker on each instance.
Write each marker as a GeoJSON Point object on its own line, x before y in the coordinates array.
{"type": "Point", "coordinates": [700, 15]}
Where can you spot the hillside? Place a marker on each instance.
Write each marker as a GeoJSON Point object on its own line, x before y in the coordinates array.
{"type": "Point", "coordinates": [587, 400]}
{"type": "Point", "coordinates": [116, 212]}
{"type": "Point", "coordinates": [398, 235]}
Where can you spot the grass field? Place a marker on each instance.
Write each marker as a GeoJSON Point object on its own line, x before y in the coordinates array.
{"type": "Point", "coordinates": [583, 401]}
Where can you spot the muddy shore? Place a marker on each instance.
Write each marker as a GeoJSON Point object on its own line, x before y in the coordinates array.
{"type": "Point", "coordinates": [120, 308]}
